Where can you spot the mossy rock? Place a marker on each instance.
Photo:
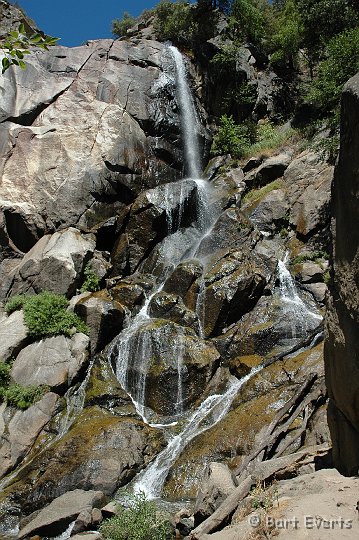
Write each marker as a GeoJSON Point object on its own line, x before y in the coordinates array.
{"type": "Point", "coordinates": [100, 451]}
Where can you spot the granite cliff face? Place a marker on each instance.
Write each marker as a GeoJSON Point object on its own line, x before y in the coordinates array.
{"type": "Point", "coordinates": [342, 341]}
{"type": "Point", "coordinates": [202, 317]}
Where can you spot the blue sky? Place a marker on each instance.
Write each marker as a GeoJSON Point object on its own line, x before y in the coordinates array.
{"type": "Point", "coordinates": [76, 21]}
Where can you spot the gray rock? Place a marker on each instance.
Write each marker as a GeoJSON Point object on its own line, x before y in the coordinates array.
{"type": "Point", "coordinates": [168, 347]}
{"type": "Point", "coordinates": [109, 510]}
{"type": "Point", "coordinates": [308, 182]}
{"type": "Point", "coordinates": [153, 215]}
{"type": "Point", "coordinates": [218, 482]}
{"type": "Point", "coordinates": [170, 306]}
{"type": "Point", "coordinates": [90, 132]}
{"type": "Point", "coordinates": [54, 362]}
{"type": "Point", "coordinates": [87, 536]}
{"type": "Point", "coordinates": [103, 316]}
{"type": "Point", "coordinates": [270, 211]}
{"type": "Point", "coordinates": [22, 430]}
{"type": "Point", "coordinates": [181, 279]}
{"type": "Point", "coordinates": [230, 288]}
{"type": "Point", "coordinates": [55, 263]}
{"type": "Point", "coordinates": [318, 290]}
{"type": "Point", "coordinates": [13, 334]}
{"type": "Point", "coordinates": [309, 272]}
{"type": "Point", "coordinates": [101, 451]}
{"type": "Point", "coordinates": [54, 519]}
{"type": "Point", "coordinates": [271, 169]}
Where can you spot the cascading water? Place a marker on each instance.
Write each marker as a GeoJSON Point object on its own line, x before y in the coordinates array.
{"type": "Point", "coordinates": [209, 413]}
{"type": "Point", "coordinates": [188, 117]}
{"type": "Point", "coordinates": [134, 348]}
{"type": "Point", "coordinates": [300, 316]}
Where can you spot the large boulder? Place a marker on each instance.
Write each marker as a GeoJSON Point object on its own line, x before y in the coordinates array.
{"type": "Point", "coordinates": [308, 182]}
{"type": "Point", "coordinates": [55, 263]}
{"type": "Point", "coordinates": [100, 142]}
{"type": "Point", "coordinates": [18, 436]}
{"type": "Point", "coordinates": [13, 335]}
{"type": "Point", "coordinates": [103, 316]}
{"type": "Point", "coordinates": [55, 518]}
{"type": "Point", "coordinates": [55, 362]}
{"type": "Point", "coordinates": [155, 213]}
{"type": "Point", "coordinates": [101, 451]}
{"type": "Point", "coordinates": [229, 288]}
{"type": "Point", "coordinates": [342, 330]}
{"type": "Point", "coordinates": [168, 366]}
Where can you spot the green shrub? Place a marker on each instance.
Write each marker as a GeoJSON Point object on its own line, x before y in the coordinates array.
{"type": "Point", "coordinates": [140, 521]}
{"type": "Point", "coordinates": [4, 376]}
{"type": "Point", "coordinates": [15, 303]}
{"type": "Point", "coordinates": [315, 257]}
{"type": "Point", "coordinates": [269, 137]}
{"type": "Point", "coordinates": [231, 138]}
{"type": "Point", "coordinates": [22, 397]}
{"type": "Point", "coordinates": [92, 281]}
{"type": "Point", "coordinates": [120, 26]}
{"type": "Point", "coordinates": [174, 21]}
{"type": "Point", "coordinates": [45, 314]}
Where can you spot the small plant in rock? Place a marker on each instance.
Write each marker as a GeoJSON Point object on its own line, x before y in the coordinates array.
{"type": "Point", "coordinates": [263, 497]}
{"type": "Point", "coordinates": [140, 521]}
{"type": "Point", "coordinates": [15, 394]}
{"type": "Point", "coordinates": [92, 281]}
{"type": "Point", "coordinates": [45, 314]}
{"type": "Point", "coordinates": [22, 397]}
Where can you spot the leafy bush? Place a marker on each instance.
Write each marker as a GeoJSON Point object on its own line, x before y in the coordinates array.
{"type": "Point", "coordinates": [270, 137]}
{"type": "Point", "coordinates": [286, 40]}
{"type": "Point", "coordinates": [45, 314]}
{"type": "Point", "coordinates": [120, 26]}
{"type": "Point", "coordinates": [140, 521]}
{"type": "Point", "coordinates": [17, 45]}
{"type": "Point", "coordinates": [174, 21]}
{"type": "Point", "coordinates": [315, 256]}
{"type": "Point", "coordinates": [4, 375]}
{"type": "Point", "coordinates": [248, 20]}
{"type": "Point", "coordinates": [92, 281]}
{"type": "Point", "coordinates": [231, 138]}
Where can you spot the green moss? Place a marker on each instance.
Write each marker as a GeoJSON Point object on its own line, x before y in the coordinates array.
{"type": "Point", "coordinates": [257, 194]}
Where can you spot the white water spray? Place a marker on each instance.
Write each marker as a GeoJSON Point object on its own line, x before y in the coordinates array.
{"type": "Point", "coordinates": [188, 117]}
{"type": "Point", "coordinates": [301, 317]}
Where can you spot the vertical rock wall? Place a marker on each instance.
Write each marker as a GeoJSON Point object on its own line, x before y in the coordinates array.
{"type": "Point", "coordinates": [342, 340]}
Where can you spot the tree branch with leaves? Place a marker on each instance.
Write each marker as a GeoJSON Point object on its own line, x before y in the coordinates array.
{"type": "Point", "coordinates": [18, 44]}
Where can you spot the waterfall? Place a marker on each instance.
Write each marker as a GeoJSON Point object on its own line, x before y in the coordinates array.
{"type": "Point", "coordinates": [188, 117]}
{"type": "Point", "coordinates": [133, 349]}
{"type": "Point", "coordinates": [208, 414]}
{"type": "Point", "coordinates": [300, 316]}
